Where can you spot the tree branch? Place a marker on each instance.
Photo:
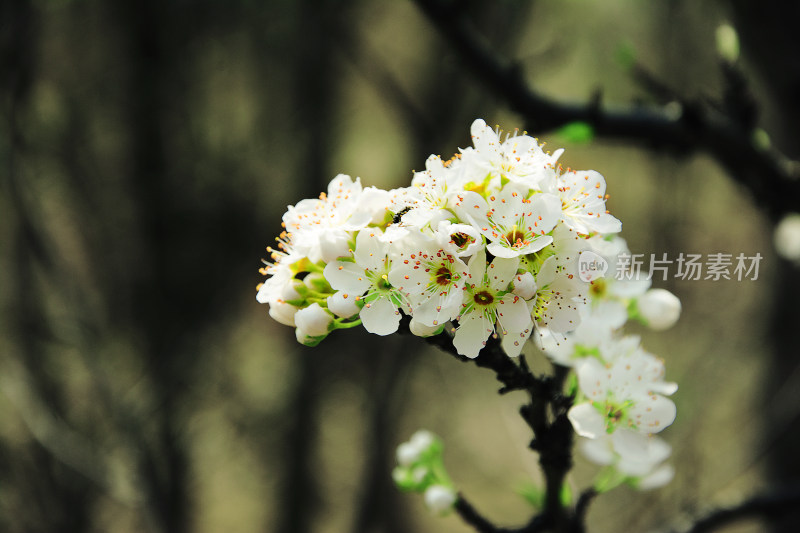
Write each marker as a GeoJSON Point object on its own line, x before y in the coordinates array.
{"type": "Point", "coordinates": [546, 414]}
{"type": "Point", "coordinates": [769, 177]}
{"type": "Point", "coordinates": [765, 505]}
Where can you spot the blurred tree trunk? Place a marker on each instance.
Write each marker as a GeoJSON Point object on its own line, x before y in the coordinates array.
{"type": "Point", "coordinates": [770, 40]}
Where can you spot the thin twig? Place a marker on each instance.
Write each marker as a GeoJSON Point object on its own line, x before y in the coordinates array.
{"type": "Point", "coordinates": [767, 175]}
{"type": "Point", "coordinates": [471, 516]}
{"type": "Point", "coordinates": [764, 505]}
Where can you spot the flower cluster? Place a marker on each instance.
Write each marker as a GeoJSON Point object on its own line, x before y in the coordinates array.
{"type": "Point", "coordinates": [492, 242]}
{"type": "Point", "coordinates": [486, 241]}
{"type": "Point", "coordinates": [621, 395]}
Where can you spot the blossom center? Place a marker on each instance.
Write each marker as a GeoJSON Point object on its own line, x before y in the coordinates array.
{"type": "Point", "coordinates": [515, 237]}
{"type": "Point", "coordinates": [483, 298]}
{"type": "Point", "coordinates": [461, 239]}
{"type": "Point", "coordinates": [443, 276]}
{"type": "Point", "coordinates": [598, 287]}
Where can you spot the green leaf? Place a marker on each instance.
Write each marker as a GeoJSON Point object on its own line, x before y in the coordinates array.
{"type": "Point", "coordinates": [577, 132]}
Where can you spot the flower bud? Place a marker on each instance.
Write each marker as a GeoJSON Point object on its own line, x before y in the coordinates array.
{"type": "Point", "coordinates": [727, 43]}
{"type": "Point", "coordinates": [787, 237]}
{"type": "Point", "coordinates": [312, 321]}
{"type": "Point", "coordinates": [524, 286]}
{"type": "Point", "coordinates": [422, 440]}
{"type": "Point", "coordinates": [439, 499]}
{"type": "Point", "coordinates": [407, 454]}
{"type": "Point", "coordinates": [282, 312]}
{"type": "Point", "coordinates": [343, 305]}
{"type": "Point", "coordinates": [659, 308]}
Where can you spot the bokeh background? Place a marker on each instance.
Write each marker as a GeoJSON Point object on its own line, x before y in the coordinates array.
{"type": "Point", "coordinates": [149, 149]}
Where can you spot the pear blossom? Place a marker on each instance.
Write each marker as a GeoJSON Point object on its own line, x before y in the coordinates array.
{"type": "Point", "coordinates": [582, 195]}
{"type": "Point", "coordinates": [426, 202]}
{"type": "Point", "coordinates": [518, 159]}
{"type": "Point", "coordinates": [321, 228]}
{"type": "Point", "coordinates": [639, 459]}
{"type": "Point", "coordinates": [366, 278]}
{"type": "Point", "coordinates": [488, 301]}
{"type": "Point", "coordinates": [463, 240]}
{"type": "Point", "coordinates": [558, 299]}
{"type": "Point", "coordinates": [432, 280]}
{"type": "Point", "coordinates": [512, 224]}
{"type": "Point", "coordinates": [628, 393]}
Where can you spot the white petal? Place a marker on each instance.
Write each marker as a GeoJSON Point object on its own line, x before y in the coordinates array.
{"type": "Point", "coordinates": [657, 478]}
{"type": "Point", "coordinates": [586, 420]}
{"type": "Point", "coordinates": [333, 245]}
{"type": "Point", "coordinates": [652, 413]}
{"type": "Point", "coordinates": [438, 310]}
{"type": "Point", "coordinates": [380, 317]}
{"type": "Point", "coordinates": [471, 335]}
{"type": "Point", "coordinates": [599, 451]}
{"type": "Point", "coordinates": [547, 272]}
{"type": "Point", "coordinates": [477, 267]}
{"type": "Point", "coordinates": [501, 272]}
{"type": "Point", "coordinates": [515, 319]}
{"type": "Point", "coordinates": [632, 446]}
{"type": "Point", "coordinates": [346, 276]}
{"type": "Point", "coordinates": [370, 252]}
{"type": "Point", "coordinates": [592, 379]}
{"type": "Point", "coordinates": [548, 207]}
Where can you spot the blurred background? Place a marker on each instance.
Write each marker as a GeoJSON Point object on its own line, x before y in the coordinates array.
{"type": "Point", "coordinates": [149, 149]}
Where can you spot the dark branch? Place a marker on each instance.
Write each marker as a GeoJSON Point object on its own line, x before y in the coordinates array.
{"type": "Point", "coordinates": [769, 505]}
{"type": "Point", "coordinates": [767, 175]}
{"type": "Point", "coordinates": [582, 507]}
{"type": "Point", "coordinates": [546, 415]}
{"type": "Point", "coordinates": [471, 516]}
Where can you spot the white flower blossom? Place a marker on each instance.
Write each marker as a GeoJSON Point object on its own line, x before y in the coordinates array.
{"type": "Point", "coordinates": [488, 301]}
{"type": "Point", "coordinates": [582, 195]}
{"type": "Point", "coordinates": [432, 280]}
{"type": "Point", "coordinates": [518, 159]}
{"type": "Point", "coordinates": [627, 393]}
{"type": "Point", "coordinates": [321, 228]}
{"type": "Point", "coordinates": [512, 224]}
{"type": "Point", "coordinates": [367, 278]}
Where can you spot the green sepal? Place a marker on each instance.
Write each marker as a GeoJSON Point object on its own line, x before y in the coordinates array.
{"type": "Point", "coordinates": [609, 478]}
{"type": "Point", "coordinates": [313, 341]}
